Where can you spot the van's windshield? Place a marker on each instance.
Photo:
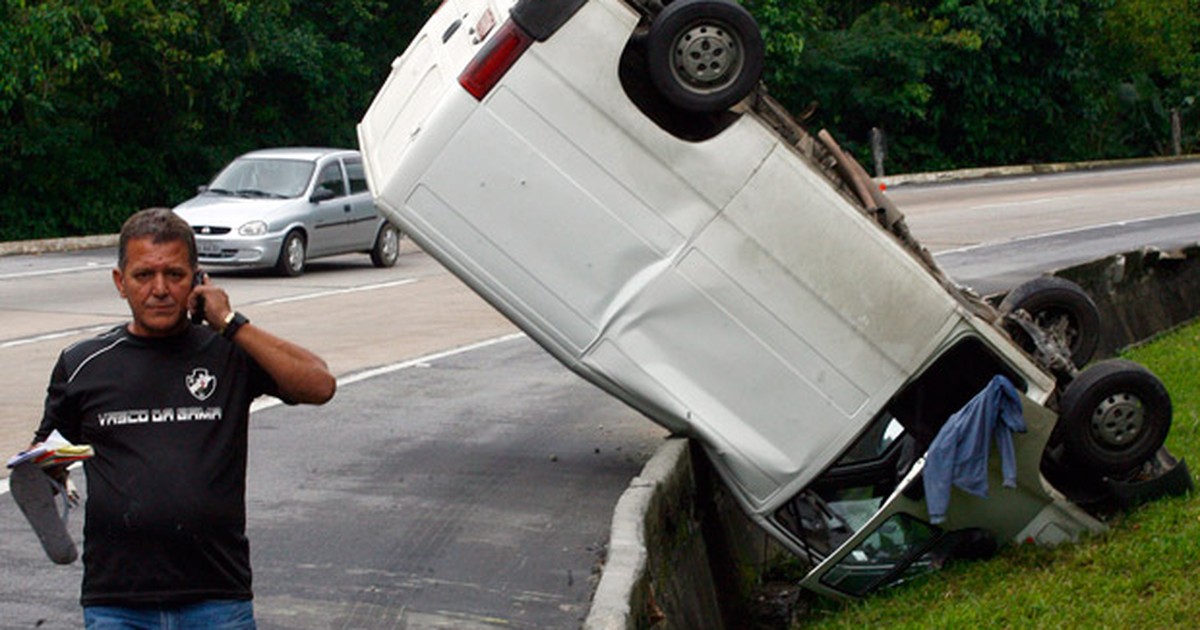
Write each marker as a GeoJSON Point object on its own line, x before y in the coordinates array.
{"type": "Point", "coordinates": [832, 508]}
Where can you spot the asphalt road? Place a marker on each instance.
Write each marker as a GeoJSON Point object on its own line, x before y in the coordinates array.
{"type": "Point", "coordinates": [461, 478]}
{"type": "Point", "coordinates": [994, 211]}
{"type": "Point", "coordinates": [994, 234]}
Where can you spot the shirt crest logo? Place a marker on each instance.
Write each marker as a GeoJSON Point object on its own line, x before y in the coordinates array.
{"type": "Point", "coordinates": [201, 384]}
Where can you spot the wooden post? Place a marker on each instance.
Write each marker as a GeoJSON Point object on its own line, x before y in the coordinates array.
{"type": "Point", "coordinates": [1176, 132]}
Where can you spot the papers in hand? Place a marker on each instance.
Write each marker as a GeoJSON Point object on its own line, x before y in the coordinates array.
{"type": "Point", "coordinates": [55, 451]}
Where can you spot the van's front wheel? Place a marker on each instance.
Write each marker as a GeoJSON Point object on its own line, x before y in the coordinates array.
{"type": "Point", "coordinates": [704, 55]}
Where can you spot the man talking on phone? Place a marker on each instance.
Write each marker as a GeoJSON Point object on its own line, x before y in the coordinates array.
{"type": "Point", "coordinates": [165, 403]}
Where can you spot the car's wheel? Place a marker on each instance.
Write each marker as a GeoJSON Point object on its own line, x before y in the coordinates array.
{"type": "Point", "coordinates": [292, 255]}
{"type": "Point", "coordinates": [1114, 416]}
{"type": "Point", "coordinates": [704, 55]}
{"type": "Point", "coordinates": [1061, 308]}
{"type": "Point", "coordinates": [387, 246]}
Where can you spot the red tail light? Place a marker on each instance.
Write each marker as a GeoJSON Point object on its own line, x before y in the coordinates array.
{"type": "Point", "coordinates": [497, 56]}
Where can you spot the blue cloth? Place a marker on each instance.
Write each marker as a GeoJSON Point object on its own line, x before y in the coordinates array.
{"type": "Point", "coordinates": [206, 615]}
{"type": "Point", "coordinates": [959, 453]}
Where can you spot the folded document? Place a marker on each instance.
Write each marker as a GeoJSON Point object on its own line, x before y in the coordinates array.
{"type": "Point", "coordinates": [55, 451]}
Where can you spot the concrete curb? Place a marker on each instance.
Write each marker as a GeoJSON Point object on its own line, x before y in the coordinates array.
{"type": "Point", "coordinates": [67, 244]}
{"type": "Point", "coordinates": [1029, 169]}
{"type": "Point", "coordinates": [625, 568]}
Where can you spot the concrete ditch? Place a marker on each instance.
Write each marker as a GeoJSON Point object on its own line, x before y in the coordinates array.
{"type": "Point", "coordinates": [684, 556]}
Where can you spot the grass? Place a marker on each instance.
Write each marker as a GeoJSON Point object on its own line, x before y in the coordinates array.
{"type": "Point", "coordinates": [1143, 573]}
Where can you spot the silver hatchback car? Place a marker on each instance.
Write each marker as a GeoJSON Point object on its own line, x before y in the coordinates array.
{"type": "Point", "coordinates": [283, 207]}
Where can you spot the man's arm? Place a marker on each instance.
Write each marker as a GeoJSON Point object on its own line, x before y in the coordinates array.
{"type": "Point", "coordinates": [302, 376]}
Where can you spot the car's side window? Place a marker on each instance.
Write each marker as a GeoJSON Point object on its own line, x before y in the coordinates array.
{"type": "Point", "coordinates": [331, 178]}
{"type": "Point", "coordinates": [357, 175]}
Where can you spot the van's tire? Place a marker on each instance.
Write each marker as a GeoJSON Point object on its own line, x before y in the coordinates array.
{"type": "Point", "coordinates": [292, 255]}
{"type": "Point", "coordinates": [387, 246]}
{"type": "Point", "coordinates": [1114, 416]}
{"type": "Point", "coordinates": [704, 55]}
{"type": "Point", "coordinates": [1060, 307]}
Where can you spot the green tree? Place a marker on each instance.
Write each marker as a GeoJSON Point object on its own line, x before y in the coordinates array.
{"type": "Point", "coordinates": [1026, 94]}
{"type": "Point", "coordinates": [113, 105]}
{"type": "Point", "coordinates": [975, 82]}
{"type": "Point", "coordinates": [1151, 50]}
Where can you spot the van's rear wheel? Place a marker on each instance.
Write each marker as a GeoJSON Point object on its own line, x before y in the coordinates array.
{"type": "Point", "coordinates": [1115, 415]}
{"type": "Point", "coordinates": [704, 55]}
{"type": "Point", "coordinates": [1062, 309]}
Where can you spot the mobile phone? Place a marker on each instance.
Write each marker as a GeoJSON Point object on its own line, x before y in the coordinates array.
{"type": "Point", "coordinates": [198, 312]}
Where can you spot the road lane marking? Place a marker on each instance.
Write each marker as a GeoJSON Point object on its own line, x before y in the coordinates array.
{"type": "Point", "coordinates": [295, 298]}
{"type": "Point", "coordinates": [51, 272]}
{"type": "Point", "coordinates": [266, 402]}
{"type": "Point", "coordinates": [1065, 231]}
{"type": "Point", "coordinates": [55, 335]}
{"type": "Point", "coordinates": [321, 294]}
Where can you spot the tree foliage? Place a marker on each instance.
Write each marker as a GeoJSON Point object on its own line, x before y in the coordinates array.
{"type": "Point", "coordinates": [957, 83]}
{"type": "Point", "coordinates": [112, 105]}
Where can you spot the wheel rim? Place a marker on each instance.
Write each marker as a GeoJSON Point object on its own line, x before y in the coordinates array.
{"type": "Point", "coordinates": [1061, 325]}
{"type": "Point", "coordinates": [706, 57]}
{"type": "Point", "coordinates": [1118, 420]}
{"type": "Point", "coordinates": [391, 244]}
{"type": "Point", "coordinates": [295, 254]}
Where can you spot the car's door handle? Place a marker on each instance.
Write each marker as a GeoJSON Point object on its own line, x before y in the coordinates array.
{"type": "Point", "coordinates": [346, 208]}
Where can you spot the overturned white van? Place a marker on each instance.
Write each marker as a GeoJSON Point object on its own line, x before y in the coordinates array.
{"type": "Point", "coordinates": [612, 177]}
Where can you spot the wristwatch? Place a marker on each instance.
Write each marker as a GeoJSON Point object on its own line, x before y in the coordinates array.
{"type": "Point", "coordinates": [233, 322]}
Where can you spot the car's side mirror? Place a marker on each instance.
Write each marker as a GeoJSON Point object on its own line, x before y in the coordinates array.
{"type": "Point", "coordinates": [321, 194]}
{"type": "Point", "coordinates": [201, 188]}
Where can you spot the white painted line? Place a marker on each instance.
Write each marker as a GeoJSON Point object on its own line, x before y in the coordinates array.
{"type": "Point", "coordinates": [425, 360]}
{"type": "Point", "coordinates": [55, 335]}
{"type": "Point", "coordinates": [296, 298]}
{"type": "Point", "coordinates": [266, 402]}
{"type": "Point", "coordinates": [321, 294]}
{"type": "Point", "coordinates": [51, 272]}
{"type": "Point", "coordinates": [1088, 228]}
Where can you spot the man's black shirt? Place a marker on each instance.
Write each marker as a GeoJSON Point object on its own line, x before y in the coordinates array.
{"type": "Point", "coordinates": [167, 417]}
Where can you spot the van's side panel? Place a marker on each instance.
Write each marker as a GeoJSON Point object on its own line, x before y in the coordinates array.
{"type": "Point", "coordinates": [721, 287]}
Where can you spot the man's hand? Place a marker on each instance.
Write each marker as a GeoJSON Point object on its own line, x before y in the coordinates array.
{"type": "Point", "coordinates": [62, 479]}
{"type": "Point", "coordinates": [213, 300]}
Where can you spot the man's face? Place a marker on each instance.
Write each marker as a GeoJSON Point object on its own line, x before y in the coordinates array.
{"type": "Point", "coordinates": [156, 281]}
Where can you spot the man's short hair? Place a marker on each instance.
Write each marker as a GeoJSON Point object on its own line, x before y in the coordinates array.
{"type": "Point", "coordinates": [163, 226]}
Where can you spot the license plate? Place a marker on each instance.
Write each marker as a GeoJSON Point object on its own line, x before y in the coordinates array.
{"type": "Point", "coordinates": [208, 249]}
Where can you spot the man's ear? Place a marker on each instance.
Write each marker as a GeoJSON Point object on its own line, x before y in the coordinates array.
{"type": "Point", "coordinates": [118, 280]}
